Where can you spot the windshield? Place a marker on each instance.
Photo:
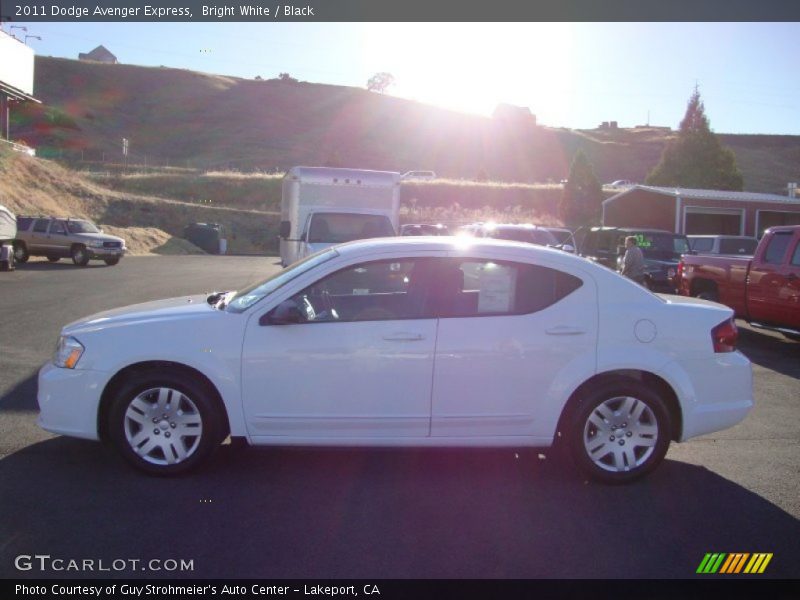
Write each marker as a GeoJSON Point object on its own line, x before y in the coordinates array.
{"type": "Point", "coordinates": [662, 245]}
{"type": "Point", "coordinates": [336, 228]}
{"type": "Point", "coordinates": [81, 227]}
{"type": "Point", "coordinates": [245, 298]}
{"type": "Point", "coordinates": [519, 234]}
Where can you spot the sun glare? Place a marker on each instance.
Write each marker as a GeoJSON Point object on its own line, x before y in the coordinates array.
{"type": "Point", "coordinates": [471, 67]}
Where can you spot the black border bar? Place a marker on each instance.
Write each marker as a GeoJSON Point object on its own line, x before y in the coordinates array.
{"type": "Point", "coordinates": [399, 10]}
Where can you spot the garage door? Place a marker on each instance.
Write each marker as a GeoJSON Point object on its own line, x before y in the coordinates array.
{"type": "Point", "coordinates": [703, 221]}
{"type": "Point", "coordinates": [768, 218]}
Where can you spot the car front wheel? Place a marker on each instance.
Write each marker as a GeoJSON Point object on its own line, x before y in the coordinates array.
{"type": "Point", "coordinates": [111, 261]}
{"type": "Point", "coordinates": [21, 253]}
{"type": "Point", "coordinates": [80, 256]}
{"type": "Point", "coordinates": [620, 432]}
{"type": "Point", "coordinates": [165, 424]}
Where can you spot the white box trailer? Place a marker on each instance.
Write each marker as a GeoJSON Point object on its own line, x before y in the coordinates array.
{"type": "Point", "coordinates": [8, 231]}
{"type": "Point", "coordinates": [323, 206]}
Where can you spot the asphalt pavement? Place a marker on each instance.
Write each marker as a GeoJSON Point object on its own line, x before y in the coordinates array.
{"type": "Point", "coordinates": [355, 513]}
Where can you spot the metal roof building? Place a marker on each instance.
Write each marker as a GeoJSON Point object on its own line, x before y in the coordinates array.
{"type": "Point", "coordinates": [691, 211]}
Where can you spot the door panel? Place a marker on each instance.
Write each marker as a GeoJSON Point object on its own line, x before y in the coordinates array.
{"type": "Point", "coordinates": [494, 373]}
{"type": "Point", "coordinates": [357, 361]}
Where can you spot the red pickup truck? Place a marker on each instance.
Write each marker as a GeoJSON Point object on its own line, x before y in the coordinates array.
{"type": "Point", "coordinates": [764, 290]}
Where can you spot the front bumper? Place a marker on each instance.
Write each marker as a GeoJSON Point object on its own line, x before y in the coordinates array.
{"type": "Point", "coordinates": [105, 252]}
{"type": "Point", "coordinates": [69, 400]}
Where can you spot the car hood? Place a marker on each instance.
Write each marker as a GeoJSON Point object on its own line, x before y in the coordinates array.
{"type": "Point", "coordinates": [103, 237]}
{"type": "Point", "coordinates": [171, 309]}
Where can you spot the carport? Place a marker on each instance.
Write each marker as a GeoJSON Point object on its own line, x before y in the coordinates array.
{"type": "Point", "coordinates": [692, 211]}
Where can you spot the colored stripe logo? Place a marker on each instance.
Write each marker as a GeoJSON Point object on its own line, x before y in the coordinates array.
{"type": "Point", "coordinates": [734, 563]}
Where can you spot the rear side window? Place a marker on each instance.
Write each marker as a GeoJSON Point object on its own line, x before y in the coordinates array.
{"type": "Point", "coordinates": [734, 246]}
{"type": "Point", "coordinates": [702, 245]}
{"type": "Point", "coordinates": [41, 225]}
{"type": "Point", "coordinates": [474, 288]}
{"type": "Point", "coordinates": [776, 249]}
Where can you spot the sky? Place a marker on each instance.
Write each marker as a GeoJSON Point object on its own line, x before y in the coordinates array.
{"type": "Point", "coordinates": [573, 75]}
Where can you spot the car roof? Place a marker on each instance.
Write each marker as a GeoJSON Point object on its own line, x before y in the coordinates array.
{"type": "Point", "coordinates": [441, 243]}
{"type": "Point", "coordinates": [637, 229]}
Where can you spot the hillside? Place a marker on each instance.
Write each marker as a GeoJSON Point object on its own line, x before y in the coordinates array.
{"type": "Point", "coordinates": [189, 119]}
{"type": "Point", "coordinates": [32, 186]}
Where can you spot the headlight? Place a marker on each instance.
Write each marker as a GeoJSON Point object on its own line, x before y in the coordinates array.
{"type": "Point", "coordinates": [68, 352]}
{"type": "Point", "coordinates": [96, 244]}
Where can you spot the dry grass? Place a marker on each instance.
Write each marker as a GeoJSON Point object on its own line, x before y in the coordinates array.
{"type": "Point", "coordinates": [40, 187]}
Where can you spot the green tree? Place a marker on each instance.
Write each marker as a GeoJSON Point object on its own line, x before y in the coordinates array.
{"type": "Point", "coordinates": [696, 158]}
{"type": "Point", "coordinates": [380, 82]}
{"type": "Point", "coordinates": [582, 197]}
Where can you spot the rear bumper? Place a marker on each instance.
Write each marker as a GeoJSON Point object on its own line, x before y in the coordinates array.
{"type": "Point", "coordinates": [721, 394]}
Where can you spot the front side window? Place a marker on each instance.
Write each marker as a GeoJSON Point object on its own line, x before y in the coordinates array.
{"type": "Point", "coordinates": [58, 227]}
{"type": "Point", "coordinates": [41, 225]}
{"type": "Point", "coordinates": [249, 296]}
{"type": "Point", "coordinates": [372, 291]}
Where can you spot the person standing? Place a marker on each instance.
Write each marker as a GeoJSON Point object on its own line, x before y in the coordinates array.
{"type": "Point", "coordinates": [633, 261]}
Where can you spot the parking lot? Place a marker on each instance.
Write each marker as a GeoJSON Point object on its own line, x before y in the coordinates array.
{"type": "Point", "coordinates": [320, 513]}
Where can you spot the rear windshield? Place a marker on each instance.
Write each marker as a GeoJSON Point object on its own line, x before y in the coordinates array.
{"type": "Point", "coordinates": [336, 228]}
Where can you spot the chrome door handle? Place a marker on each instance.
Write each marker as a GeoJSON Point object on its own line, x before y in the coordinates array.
{"type": "Point", "coordinates": [403, 337]}
{"type": "Point", "coordinates": [564, 330]}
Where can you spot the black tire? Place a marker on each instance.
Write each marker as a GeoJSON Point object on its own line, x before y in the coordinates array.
{"type": "Point", "coordinates": [616, 457]}
{"type": "Point", "coordinates": [80, 256]}
{"type": "Point", "coordinates": [135, 409]}
{"type": "Point", "coordinates": [53, 259]}
{"type": "Point", "coordinates": [21, 253]}
{"type": "Point", "coordinates": [111, 261]}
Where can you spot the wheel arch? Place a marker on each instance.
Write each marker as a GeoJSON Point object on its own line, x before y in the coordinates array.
{"type": "Point", "coordinates": [132, 370]}
{"type": "Point", "coordinates": [700, 285]}
{"type": "Point", "coordinates": [659, 384]}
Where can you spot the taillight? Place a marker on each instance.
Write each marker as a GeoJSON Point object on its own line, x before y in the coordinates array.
{"type": "Point", "coordinates": [724, 336]}
{"type": "Point", "coordinates": [679, 273]}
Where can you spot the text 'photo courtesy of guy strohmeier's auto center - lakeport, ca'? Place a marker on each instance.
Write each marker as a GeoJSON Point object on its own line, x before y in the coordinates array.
{"type": "Point", "coordinates": [445, 301]}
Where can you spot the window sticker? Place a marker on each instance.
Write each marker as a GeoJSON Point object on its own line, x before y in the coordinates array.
{"type": "Point", "coordinates": [497, 284]}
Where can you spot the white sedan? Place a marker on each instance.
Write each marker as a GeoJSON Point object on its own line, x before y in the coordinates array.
{"type": "Point", "coordinates": [417, 341]}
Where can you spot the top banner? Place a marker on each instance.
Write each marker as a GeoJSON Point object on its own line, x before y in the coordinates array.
{"type": "Point", "coordinates": [399, 10]}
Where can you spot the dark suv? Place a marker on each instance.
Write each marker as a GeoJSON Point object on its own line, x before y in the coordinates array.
{"type": "Point", "coordinates": [662, 251]}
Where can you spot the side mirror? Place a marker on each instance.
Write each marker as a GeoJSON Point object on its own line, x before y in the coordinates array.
{"type": "Point", "coordinates": [284, 229]}
{"type": "Point", "coordinates": [286, 313]}
{"type": "Point", "coordinates": [568, 248]}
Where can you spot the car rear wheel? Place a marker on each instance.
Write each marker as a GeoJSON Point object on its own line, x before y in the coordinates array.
{"type": "Point", "coordinates": [21, 253]}
{"type": "Point", "coordinates": [620, 432]}
{"type": "Point", "coordinates": [80, 256]}
{"type": "Point", "coordinates": [111, 261]}
{"type": "Point", "coordinates": [164, 423]}
{"type": "Point", "coordinates": [708, 295]}
{"type": "Point", "coordinates": [53, 259]}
